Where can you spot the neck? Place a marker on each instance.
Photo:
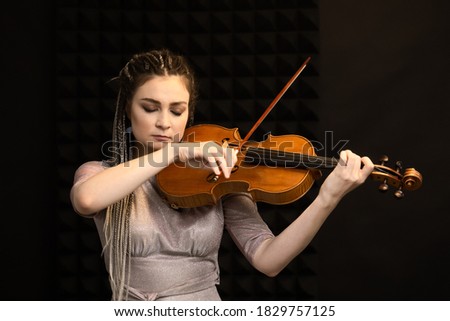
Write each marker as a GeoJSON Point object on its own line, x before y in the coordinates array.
{"type": "Point", "coordinates": [273, 158]}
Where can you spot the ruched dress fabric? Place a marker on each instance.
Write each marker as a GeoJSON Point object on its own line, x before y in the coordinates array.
{"type": "Point", "coordinates": [174, 253]}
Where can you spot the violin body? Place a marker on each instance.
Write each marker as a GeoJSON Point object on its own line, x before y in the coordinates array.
{"type": "Point", "coordinates": [190, 186]}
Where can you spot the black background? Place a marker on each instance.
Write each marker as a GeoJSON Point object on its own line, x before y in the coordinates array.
{"type": "Point", "coordinates": [383, 86]}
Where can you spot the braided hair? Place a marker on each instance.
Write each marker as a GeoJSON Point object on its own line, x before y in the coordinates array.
{"type": "Point", "coordinates": [139, 69]}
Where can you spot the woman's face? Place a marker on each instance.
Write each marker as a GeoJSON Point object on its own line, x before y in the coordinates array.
{"type": "Point", "coordinates": [159, 112]}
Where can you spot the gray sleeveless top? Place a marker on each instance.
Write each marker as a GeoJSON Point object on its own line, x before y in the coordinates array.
{"type": "Point", "coordinates": [174, 253]}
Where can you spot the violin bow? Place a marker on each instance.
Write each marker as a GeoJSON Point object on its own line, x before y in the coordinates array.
{"type": "Point", "coordinates": [274, 102]}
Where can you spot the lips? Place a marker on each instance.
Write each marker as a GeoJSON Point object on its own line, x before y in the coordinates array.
{"type": "Point", "coordinates": [161, 138]}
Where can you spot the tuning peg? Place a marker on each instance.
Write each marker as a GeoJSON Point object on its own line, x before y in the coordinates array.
{"type": "Point", "coordinates": [399, 193]}
{"type": "Point", "coordinates": [383, 159]}
{"type": "Point", "coordinates": [383, 186]}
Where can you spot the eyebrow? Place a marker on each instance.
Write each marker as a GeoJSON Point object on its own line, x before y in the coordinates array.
{"type": "Point", "coordinates": [157, 102]}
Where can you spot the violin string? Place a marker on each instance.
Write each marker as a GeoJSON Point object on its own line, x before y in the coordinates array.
{"type": "Point", "coordinates": [306, 160]}
{"type": "Point", "coordinates": [275, 156]}
{"type": "Point", "coordinates": [295, 158]}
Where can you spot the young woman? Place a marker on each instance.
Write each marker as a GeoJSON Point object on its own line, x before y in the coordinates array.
{"type": "Point", "coordinates": [153, 252]}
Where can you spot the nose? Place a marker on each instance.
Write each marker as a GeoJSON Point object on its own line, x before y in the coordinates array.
{"type": "Point", "coordinates": [163, 120]}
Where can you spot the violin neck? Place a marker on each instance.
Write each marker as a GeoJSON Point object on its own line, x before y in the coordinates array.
{"type": "Point", "coordinates": [275, 158]}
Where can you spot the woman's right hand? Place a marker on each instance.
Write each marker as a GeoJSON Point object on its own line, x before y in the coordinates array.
{"type": "Point", "coordinates": [208, 154]}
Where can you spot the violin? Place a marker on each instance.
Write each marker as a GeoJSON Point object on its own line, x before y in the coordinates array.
{"type": "Point", "coordinates": [279, 170]}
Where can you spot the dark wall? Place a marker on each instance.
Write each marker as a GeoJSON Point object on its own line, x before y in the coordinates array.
{"type": "Point", "coordinates": [28, 231]}
{"type": "Point", "coordinates": [384, 88]}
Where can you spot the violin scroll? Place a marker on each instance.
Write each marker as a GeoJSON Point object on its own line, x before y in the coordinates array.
{"type": "Point", "coordinates": [409, 180]}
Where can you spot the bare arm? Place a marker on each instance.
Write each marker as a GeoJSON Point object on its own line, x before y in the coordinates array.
{"type": "Point", "coordinates": [113, 184]}
{"type": "Point", "coordinates": [274, 254]}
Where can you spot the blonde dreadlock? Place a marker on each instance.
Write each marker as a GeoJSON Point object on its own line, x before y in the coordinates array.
{"type": "Point", "coordinates": [140, 68]}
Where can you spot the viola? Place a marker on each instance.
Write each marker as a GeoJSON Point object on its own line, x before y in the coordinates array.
{"type": "Point", "coordinates": [278, 170]}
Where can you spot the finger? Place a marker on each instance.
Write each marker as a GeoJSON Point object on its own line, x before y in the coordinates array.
{"type": "Point", "coordinates": [212, 149]}
{"type": "Point", "coordinates": [226, 170]}
{"type": "Point", "coordinates": [222, 163]}
{"type": "Point", "coordinates": [354, 163]}
{"type": "Point", "coordinates": [212, 153]}
{"type": "Point", "coordinates": [343, 158]}
{"type": "Point", "coordinates": [212, 163]}
{"type": "Point", "coordinates": [352, 160]}
{"type": "Point", "coordinates": [368, 166]}
{"type": "Point", "coordinates": [232, 157]}
{"type": "Point", "coordinates": [228, 161]}
{"type": "Point", "coordinates": [217, 160]}
{"type": "Point", "coordinates": [231, 161]}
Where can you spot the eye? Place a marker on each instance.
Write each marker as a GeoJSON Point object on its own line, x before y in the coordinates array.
{"type": "Point", "coordinates": [149, 109]}
{"type": "Point", "coordinates": [178, 110]}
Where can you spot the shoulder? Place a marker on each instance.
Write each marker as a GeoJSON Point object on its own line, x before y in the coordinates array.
{"type": "Point", "coordinates": [88, 169]}
{"type": "Point", "coordinates": [92, 166]}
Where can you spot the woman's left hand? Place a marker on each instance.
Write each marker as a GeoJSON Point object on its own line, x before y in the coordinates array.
{"type": "Point", "coordinates": [350, 172]}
